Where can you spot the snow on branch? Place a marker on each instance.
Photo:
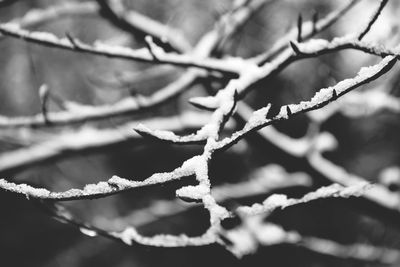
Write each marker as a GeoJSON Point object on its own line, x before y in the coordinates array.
{"type": "Point", "coordinates": [227, 103]}
{"type": "Point", "coordinates": [102, 49]}
{"type": "Point", "coordinates": [281, 201]}
{"type": "Point", "coordinates": [320, 99]}
{"type": "Point", "coordinates": [374, 17]}
{"type": "Point", "coordinates": [312, 147]}
{"type": "Point", "coordinates": [78, 113]}
{"type": "Point", "coordinates": [36, 17]}
{"type": "Point", "coordinates": [169, 136]}
{"type": "Point", "coordinates": [241, 76]}
{"type": "Point", "coordinates": [141, 26]}
{"type": "Point", "coordinates": [316, 47]}
{"type": "Point", "coordinates": [309, 29]}
{"type": "Point", "coordinates": [213, 234]}
{"type": "Point", "coordinates": [102, 189]}
{"type": "Point", "coordinates": [379, 194]}
{"type": "Point", "coordinates": [206, 45]}
{"type": "Point", "coordinates": [262, 181]}
{"type": "Point", "coordinates": [88, 138]}
{"type": "Point", "coordinates": [359, 104]}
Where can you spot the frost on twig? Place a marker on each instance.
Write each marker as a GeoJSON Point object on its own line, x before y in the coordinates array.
{"type": "Point", "coordinates": [168, 136]}
{"type": "Point", "coordinates": [309, 29]}
{"type": "Point", "coordinates": [359, 104]}
{"type": "Point", "coordinates": [91, 191]}
{"type": "Point", "coordinates": [234, 77]}
{"type": "Point", "coordinates": [140, 26]}
{"type": "Point", "coordinates": [226, 101]}
{"type": "Point", "coordinates": [373, 19]}
{"type": "Point", "coordinates": [262, 181]}
{"type": "Point", "coordinates": [214, 233]}
{"type": "Point", "coordinates": [102, 49]}
{"type": "Point", "coordinates": [313, 148]}
{"type": "Point", "coordinates": [281, 201]}
{"type": "Point", "coordinates": [320, 99]}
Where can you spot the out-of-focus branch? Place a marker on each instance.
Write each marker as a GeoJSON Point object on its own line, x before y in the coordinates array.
{"type": "Point", "coordinates": [214, 234]}
{"type": "Point", "coordinates": [309, 29]}
{"type": "Point", "coordinates": [311, 147]}
{"type": "Point", "coordinates": [379, 194]}
{"type": "Point", "coordinates": [316, 47]}
{"type": "Point", "coordinates": [262, 181]}
{"type": "Point", "coordinates": [257, 121]}
{"type": "Point", "coordinates": [76, 113]}
{"type": "Point", "coordinates": [204, 48]}
{"type": "Point", "coordinates": [259, 118]}
{"type": "Point", "coordinates": [141, 26]}
{"type": "Point", "coordinates": [4, 3]}
{"type": "Point", "coordinates": [361, 252]}
{"type": "Point", "coordinates": [222, 105]}
{"type": "Point", "coordinates": [128, 106]}
{"type": "Point", "coordinates": [89, 138]}
{"type": "Point", "coordinates": [258, 233]}
{"type": "Point", "coordinates": [37, 17]}
{"type": "Point", "coordinates": [358, 104]}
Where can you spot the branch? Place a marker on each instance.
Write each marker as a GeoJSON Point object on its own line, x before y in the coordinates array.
{"type": "Point", "coordinates": [359, 104]}
{"type": "Point", "coordinates": [88, 139]}
{"type": "Point", "coordinates": [102, 189]}
{"type": "Point", "coordinates": [320, 99]}
{"type": "Point", "coordinates": [373, 19]}
{"type": "Point", "coordinates": [142, 26]}
{"type": "Point", "coordinates": [208, 43]}
{"type": "Point", "coordinates": [379, 194]}
{"type": "Point", "coordinates": [262, 181]}
{"type": "Point", "coordinates": [36, 17]}
{"type": "Point", "coordinates": [5, 3]}
{"type": "Point", "coordinates": [309, 29]}
{"type": "Point", "coordinates": [317, 47]}
{"type": "Point", "coordinates": [276, 201]}
{"type": "Point", "coordinates": [120, 52]}
{"type": "Point", "coordinates": [76, 113]}
{"type": "Point", "coordinates": [311, 149]}
{"type": "Point", "coordinates": [256, 232]}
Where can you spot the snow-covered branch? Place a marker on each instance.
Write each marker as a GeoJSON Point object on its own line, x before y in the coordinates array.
{"type": "Point", "coordinates": [227, 80]}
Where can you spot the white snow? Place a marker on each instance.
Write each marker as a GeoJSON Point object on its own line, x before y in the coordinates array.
{"type": "Point", "coordinates": [325, 142]}
{"type": "Point", "coordinates": [88, 232]}
{"type": "Point", "coordinates": [390, 175]}
{"type": "Point", "coordinates": [193, 192]}
{"type": "Point", "coordinates": [312, 46]}
{"type": "Point", "coordinates": [281, 201]}
{"type": "Point", "coordinates": [243, 241]}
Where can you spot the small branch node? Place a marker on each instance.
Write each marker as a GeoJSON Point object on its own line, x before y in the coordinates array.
{"type": "Point", "coordinates": [44, 97]}
{"type": "Point", "coordinates": [288, 111]}
{"type": "Point", "coordinates": [75, 43]}
{"type": "Point", "coordinates": [299, 28]}
{"type": "Point", "coordinates": [315, 18]}
{"type": "Point", "coordinates": [334, 94]}
{"type": "Point", "coordinates": [295, 48]}
{"type": "Point", "coordinates": [151, 46]}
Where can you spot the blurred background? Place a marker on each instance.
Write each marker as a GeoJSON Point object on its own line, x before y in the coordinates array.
{"type": "Point", "coordinates": [368, 145]}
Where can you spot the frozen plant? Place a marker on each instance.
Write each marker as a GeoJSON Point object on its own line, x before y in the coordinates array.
{"type": "Point", "coordinates": [222, 121]}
